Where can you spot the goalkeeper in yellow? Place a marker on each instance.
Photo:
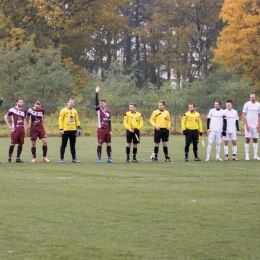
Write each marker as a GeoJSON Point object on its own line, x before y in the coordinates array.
{"type": "Point", "coordinates": [133, 122]}
{"type": "Point", "coordinates": [192, 127]}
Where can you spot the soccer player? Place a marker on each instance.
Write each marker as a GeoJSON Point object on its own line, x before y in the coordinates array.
{"type": "Point", "coordinates": [133, 122]}
{"type": "Point", "coordinates": [104, 127]}
{"type": "Point", "coordinates": [161, 121]}
{"type": "Point", "coordinates": [18, 115]}
{"type": "Point", "coordinates": [69, 125]}
{"type": "Point", "coordinates": [215, 126]}
{"type": "Point", "coordinates": [251, 118]}
{"type": "Point", "coordinates": [232, 129]}
{"type": "Point", "coordinates": [191, 126]}
{"type": "Point", "coordinates": [35, 121]}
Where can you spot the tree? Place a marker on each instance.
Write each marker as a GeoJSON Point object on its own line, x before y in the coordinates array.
{"type": "Point", "coordinates": [238, 44]}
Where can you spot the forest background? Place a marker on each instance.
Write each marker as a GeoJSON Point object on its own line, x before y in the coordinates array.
{"type": "Point", "coordinates": [136, 50]}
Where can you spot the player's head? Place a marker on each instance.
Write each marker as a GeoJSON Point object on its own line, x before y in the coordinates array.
{"type": "Point", "coordinates": [70, 103]}
{"type": "Point", "coordinates": [229, 104]}
{"type": "Point", "coordinates": [19, 102]}
{"type": "Point", "coordinates": [37, 104]}
{"type": "Point", "coordinates": [192, 107]}
{"type": "Point", "coordinates": [132, 107]}
{"type": "Point", "coordinates": [253, 97]}
{"type": "Point", "coordinates": [217, 104]}
{"type": "Point", "coordinates": [103, 103]}
{"type": "Point", "coordinates": [161, 105]}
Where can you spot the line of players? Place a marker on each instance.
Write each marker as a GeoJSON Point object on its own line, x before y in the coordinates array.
{"type": "Point", "coordinates": [220, 123]}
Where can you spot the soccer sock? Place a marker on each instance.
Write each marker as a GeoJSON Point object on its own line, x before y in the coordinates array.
{"type": "Point", "coordinates": [44, 150]}
{"type": "Point", "coordinates": [209, 148]}
{"type": "Point", "coordinates": [247, 149]}
{"type": "Point", "coordinates": [109, 151]}
{"type": "Point", "coordinates": [226, 150]}
{"type": "Point", "coordinates": [19, 151]}
{"type": "Point", "coordinates": [156, 150]}
{"type": "Point", "coordinates": [33, 149]}
{"type": "Point", "coordinates": [195, 150]}
{"type": "Point", "coordinates": [127, 152]}
{"type": "Point", "coordinates": [255, 147]}
{"type": "Point", "coordinates": [134, 153]}
{"type": "Point", "coordinates": [217, 149]}
{"type": "Point", "coordinates": [62, 151]}
{"type": "Point", "coordinates": [186, 150]}
{"type": "Point", "coordinates": [99, 151]}
{"type": "Point", "coordinates": [11, 150]}
{"type": "Point", "coordinates": [234, 150]}
{"type": "Point", "coordinates": [165, 150]}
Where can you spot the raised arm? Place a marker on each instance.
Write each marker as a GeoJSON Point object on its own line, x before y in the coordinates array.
{"type": "Point", "coordinates": [96, 98]}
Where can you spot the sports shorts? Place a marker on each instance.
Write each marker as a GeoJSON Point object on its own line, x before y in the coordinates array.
{"type": "Point", "coordinates": [192, 136]}
{"type": "Point", "coordinates": [230, 136]}
{"type": "Point", "coordinates": [253, 133]}
{"type": "Point", "coordinates": [214, 136]}
{"type": "Point", "coordinates": [103, 135]}
{"type": "Point", "coordinates": [130, 137]}
{"type": "Point", "coordinates": [37, 131]}
{"type": "Point", "coordinates": [162, 134]}
{"type": "Point", "coordinates": [17, 136]}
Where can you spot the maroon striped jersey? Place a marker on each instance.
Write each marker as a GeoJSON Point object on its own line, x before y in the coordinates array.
{"type": "Point", "coordinates": [18, 115]}
{"type": "Point", "coordinates": [36, 115]}
{"type": "Point", "coordinates": [103, 116]}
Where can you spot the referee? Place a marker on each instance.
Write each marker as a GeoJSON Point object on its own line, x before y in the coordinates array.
{"type": "Point", "coordinates": [192, 127]}
{"type": "Point", "coordinates": [69, 125]}
{"type": "Point", "coordinates": [161, 121]}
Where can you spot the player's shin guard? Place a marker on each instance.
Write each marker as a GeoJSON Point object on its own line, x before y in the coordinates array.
{"type": "Point", "coordinates": [226, 150]}
{"type": "Point", "coordinates": [156, 150]}
{"type": "Point", "coordinates": [109, 151]}
{"type": "Point", "coordinates": [127, 152]}
{"type": "Point", "coordinates": [165, 150]}
{"type": "Point", "coordinates": [234, 150]}
{"type": "Point", "coordinates": [134, 153]}
{"type": "Point", "coordinates": [44, 150]}
{"type": "Point", "coordinates": [19, 151]}
{"type": "Point", "coordinates": [255, 147]}
{"type": "Point", "coordinates": [195, 150]}
{"type": "Point", "coordinates": [11, 150]}
{"type": "Point", "coordinates": [99, 151]}
{"type": "Point", "coordinates": [33, 150]}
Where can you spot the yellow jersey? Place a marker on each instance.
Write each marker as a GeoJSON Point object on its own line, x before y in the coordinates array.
{"type": "Point", "coordinates": [191, 121]}
{"type": "Point", "coordinates": [133, 120]}
{"type": "Point", "coordinates": [68, 119]}
{"type": "Point", "coordinates": [161, 119]}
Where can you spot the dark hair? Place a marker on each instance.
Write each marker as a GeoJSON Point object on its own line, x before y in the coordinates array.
{"type": "Point", "coordinates": [219, 102]}
{"type": "Point", "coordinates": [70, 99]}
{"type": "Point", "coordinates": [229, 101]}
{"type": "Point", "coordinates": [253, 93]}
{"type": "Point", "coordinates": [162, 101]}
{"type": "Point", "coordinates": [192, 104]}
{"type": "Point", "coordinates": [103, 100]}
{"type": "Point", "coordinates": [38, 102]}
{"type": "Point", "coordinates": [132, 104]}
{"type": "Point", "coordinates": [19, 98]}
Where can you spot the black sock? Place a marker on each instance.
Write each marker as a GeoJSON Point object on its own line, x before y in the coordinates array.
{"type": "Point", "coordinates": [165, 150]}
{"type": "Point", "coordinates": [195, 150]}
{"type": "Point", "coordinates": [134, 153]}
{"type": "Point", "coordinates": [33, 149]}
{"type": "Point", "coordinates": [109, 151]}
{"type": "Point", "coordinates": [11, 150]}
{"type": "Point", "coordinates": [156, 150]}
{"type": "Point", "coordinates": [99, 151]}
{"type": "Point", "coordinates": [44, 150]}
{"type": "Point", "coordinates": [127, 152]}
{"type": "Point", "coordinates": [186, 150]}
{"type": "Point", "coordinates": [19, 151]}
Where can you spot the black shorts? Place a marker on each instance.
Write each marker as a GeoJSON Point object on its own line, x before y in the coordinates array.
{"type": "Point", "coordinates": [192, 136]}
{"type": "Point", "coordinates": [130, 137]}
{"type": "Point", "coordinates": [162, 134]}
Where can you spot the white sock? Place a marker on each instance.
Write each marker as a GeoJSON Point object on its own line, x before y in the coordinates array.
{"type": "Point", "coordinates": [255, 148]}
{"type": "Point", "coordinates": [209, 149]}
{"type": "Point", "coordinates": [247, 149]}
{"type": "Point", "coordinates": [226, 149]}
{"type": "Point", "coordinates": [217, 149]}
{"type": "Point", "coordinates": [234, 150]}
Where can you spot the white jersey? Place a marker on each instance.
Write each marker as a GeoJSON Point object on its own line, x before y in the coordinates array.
{"type": "Point", "coordinates": [216, 119]}
{"type": "Point", "coordinates": [252, 111]}
{"type": "Point", "coordinates": [232, 117]}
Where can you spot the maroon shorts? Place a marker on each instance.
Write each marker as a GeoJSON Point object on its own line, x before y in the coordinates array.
{"type": "Point", "coordinates": [17, 136]}
{"type": "Point", "coordinates": [103, 135]}
{"type": "Point", "coordinates": [37, 131]}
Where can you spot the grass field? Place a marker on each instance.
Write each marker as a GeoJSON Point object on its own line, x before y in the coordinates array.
{"type": "Point", "coordinates": [193, 210]}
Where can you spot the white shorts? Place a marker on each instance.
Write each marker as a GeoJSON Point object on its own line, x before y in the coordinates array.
{"type": "Point", "coordinates": [253, 133]}
{"type": "Point", "coordinates": [230, 137]}
{"type": "Point", "coordinates": [214, 136]}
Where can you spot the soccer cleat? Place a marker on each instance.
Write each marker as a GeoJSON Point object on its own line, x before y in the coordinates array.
{"type": "Point", "coordinates": [45, 159]}
{"type": "Point", "coordinates": [127, 160]}
{"type": "Point", "coordinates": [186, 159]}
{"type": "Point", "coordinates": [99, 160]}
{"type": "Point", "coordinates": [234, 158]}
{"type": "Point", "coordinates": [9, 160]}
{"type": "Point", "coordinates": [168, 159]}
{"type": "Point", "coordinates": [62, 161]}
{"type": "Point", "coordinates": [226, 158]}
{"type": "Point", "coordinates": [76, 161]}
{"type": "Point", "coordinates": [197, 159]}
{"type": "Point", "coordinates": [257, 158]}
{"type": "Point", "coordinates": [155, 159]}
{"type": "Point", "coordinates": [247, 158]}
{"type": "Point", "coordinates": [207, 159]}
{"type": "Point", "coordinates": [19, 161]}
{"type": "Point", "coordinates": [33, 160]}
{"type": "Point", "coordinates": [110, 160]}
{"type": "Point", "coordinates": [219, 159]}
{"type": "Point", "coordinates": [135, 161]}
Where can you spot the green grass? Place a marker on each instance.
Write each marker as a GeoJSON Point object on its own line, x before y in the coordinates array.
{"type": "Point", "coordinates": [178, 210]}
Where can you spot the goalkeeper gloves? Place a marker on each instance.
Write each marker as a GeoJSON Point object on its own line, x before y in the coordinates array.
{"type": "Point", "coordinates": [79, 131]}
